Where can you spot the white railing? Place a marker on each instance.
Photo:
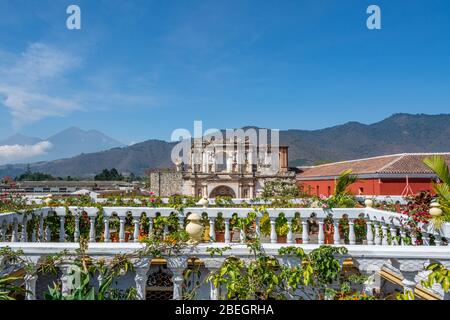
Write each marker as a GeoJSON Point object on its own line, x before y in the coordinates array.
{"type": "Point", "coordinates": [381, 227]}
{"type": "Point", "coordinates": [409, 262]}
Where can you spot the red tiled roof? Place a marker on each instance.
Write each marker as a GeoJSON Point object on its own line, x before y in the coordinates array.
{"type": "Point", "coordinates": [406, 163]}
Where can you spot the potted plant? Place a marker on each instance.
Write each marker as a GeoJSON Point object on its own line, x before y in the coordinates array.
{"type": "Point", "coordinates": [282, 232]}
{"type": "Point", "coordinates": [219, 228]}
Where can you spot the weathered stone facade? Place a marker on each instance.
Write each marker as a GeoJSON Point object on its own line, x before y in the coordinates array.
{"type": "Point", "coordinates": [166, 183]}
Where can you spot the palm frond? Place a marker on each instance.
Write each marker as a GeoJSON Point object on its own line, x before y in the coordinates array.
{"type": "Point", "coordinates": [438, 165]}
{"type": "Point", "coordinates": [344, 180]}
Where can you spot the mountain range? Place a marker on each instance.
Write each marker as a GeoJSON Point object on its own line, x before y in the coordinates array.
{"type": "Point", "coordinates": [65, 144]}
{"type": "Point", "coordinates": [396, 134]}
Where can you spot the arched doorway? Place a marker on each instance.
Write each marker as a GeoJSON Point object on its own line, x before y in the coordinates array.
{"type": "Point", "coordinates": [222, 191]}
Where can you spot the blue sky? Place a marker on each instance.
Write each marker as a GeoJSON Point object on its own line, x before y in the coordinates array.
{"type": "Point", "coordinates": [140, 69]}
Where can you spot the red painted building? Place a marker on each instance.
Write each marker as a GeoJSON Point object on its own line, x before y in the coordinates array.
{"type": "Point", "coordinates": [395, 175]}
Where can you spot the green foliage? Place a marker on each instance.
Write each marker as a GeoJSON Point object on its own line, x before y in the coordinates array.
{"type": "Point", "coordinates": [8, 287]}
{"type": "Point", "coordinates": [263, 277]}
{"type": "Point", "coordinates": [109, 175]}
{"type": "Point", "coordinates": [440, 275]}
{"type": "Point", "coordinates": [344, 180]}
{"type": "Point", "coordinates": [36, 176]}
{"type": "Point", "coordinates": [280, 188]}
{"type": "Point", "coordinates": [439, 166]}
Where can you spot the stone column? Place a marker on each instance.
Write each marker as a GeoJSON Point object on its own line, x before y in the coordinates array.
{"type": "Point", "coordinates": [177, 265]}
{"type": "Point", "coordinates": [369, 268]}
{"type": "Point", "coordinates": [409, 268]}
{"type": "Point", "coordinates": [68, 279]}
{"type": "Point", "coordinates": [30, 279]}
{"type": "Point", "coordinates": [141, 268]}
{"type": "Point", "coordinates": [213, 265]}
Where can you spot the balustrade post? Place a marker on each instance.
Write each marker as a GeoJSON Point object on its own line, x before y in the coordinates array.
{"type": "Point", "coordinates": [437, 240]}
{"type": "Point", "coordinates": [336, 235]}
{"type": "Point", "coordinates": [305, 231]}
{"type": "Point", "coordinates": [62, 231]}
{"type": "Point", "coordinates": [290, 235]}
{"type": "Point", "coordinates": [122, 229]}
{"type": "Point", "coordinates": [41, 228]}
{"type": "Point", "coordinates": [181, 223]}
{"type": "Point", "coordinates": [273, 231]}
{"type": "Point", "coordinates": [166, 231]}
{"type": "Point", "coordinates": [150, 226]}
{"type": "Point", "coordinates": [136, 223]}
{"type": "Point", "coordinates": [384, 240]}
{"type": "Point", "coordinates": [351, 232]}
{"type": "Point", "coordinates": [258, 228]}
{"type": "Point", "coordinates": [4, 228]}
{"type": "Point", "coordinates": [107, 235]}
{"type": "Point", "coordinates": [393, 232]}
{"type": "Point", "coordinates": [321, 235]}
{"type": "Point", "coordinates": [15, 232]}
{"type": "Point", "coordinates": [403, 236]}
{"type": "Point", "coordinates": [242, 235]}
{"type": "Point", "coordinates": [33, 235]}
{"type": "Point", "coordinates": [92, 229]}
{"type": "Point", "coordinates": [48, 234]}
{"type": "Point", "coordinates": [413, 238]}
{"type": "Point", "coordinates": [227, 237]}
{"type": "Point", "coordinates": [377, 234]}
{"type": "Point", "coordinates": [369, 233]}
{"type": "Point", "coordinates": [426, 238]}
{"type": "Point", "coordinates": [212, 232]}
{"type": "Point", "coordinates": [24, 235]}
{"type": "Point", "coordinates": [76, 234]}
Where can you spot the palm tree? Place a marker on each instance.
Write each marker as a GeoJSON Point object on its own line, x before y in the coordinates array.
{"type": "Point", "coordinates": [344, 180]}
{"type": "Point", "coordinates": [442, 189]}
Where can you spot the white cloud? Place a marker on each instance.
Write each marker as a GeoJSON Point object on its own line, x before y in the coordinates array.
{"type": "Point", "coordinates": [15, 153]}
{"type": "Point", "coordinates": [28, 82]}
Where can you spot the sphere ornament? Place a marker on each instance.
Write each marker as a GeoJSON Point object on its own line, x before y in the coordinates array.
{"type": "Point", "coordinates": [203, 202]}
{"type": "Point", "coordinates": [194, 228]}
{"type": "Point", "coordinates": [368, 202]}
{"type": "Point", "coordinates": [435, 210]}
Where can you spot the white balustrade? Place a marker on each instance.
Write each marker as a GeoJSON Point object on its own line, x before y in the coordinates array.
{"type": "Point", "coordinates": [381, 226]}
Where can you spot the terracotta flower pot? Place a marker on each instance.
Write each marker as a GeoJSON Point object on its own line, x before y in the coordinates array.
{"type": "Point", "coordinates": [220, 236]}
{"type": "Point", "coordinates": [298, 240]}
{"type": "Point", "coordinates": [281, 239]}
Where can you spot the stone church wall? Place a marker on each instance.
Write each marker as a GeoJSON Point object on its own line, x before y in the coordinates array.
{"type": "Point", "coordinates": [166, 184]}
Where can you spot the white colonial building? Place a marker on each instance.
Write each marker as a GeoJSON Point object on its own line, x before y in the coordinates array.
{"type": "Point", "coordinates": [233, 168]}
